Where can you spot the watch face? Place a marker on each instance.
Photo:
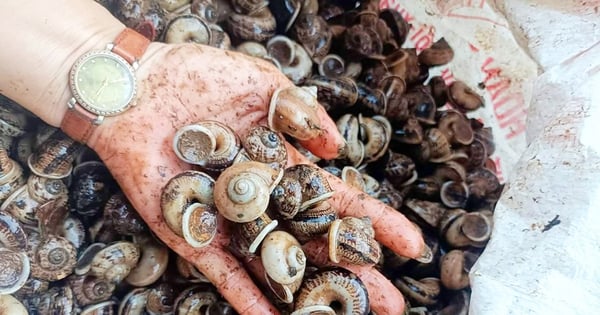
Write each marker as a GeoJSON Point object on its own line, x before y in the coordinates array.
{"type": "Point", "coordinates": [103, 83]}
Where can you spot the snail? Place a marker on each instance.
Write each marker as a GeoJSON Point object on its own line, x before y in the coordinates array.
{"type": "Point", "coordinates": [54, 258]}
{"type": "Point", "coordinates": [14, 270]}
{"type": "Point", "coordinates": [196, 299]}
{"type": "Point", "coordinates": [285, 12]}
{"type": "Point", "coordinates": [54, 157]}
{"type": "Point", "coordinates": [440, 147]}
{"type": "Point", "coordinates": [219, 39]}
{"type": "Point", "coordinates": [248, 6]}
{"type": "Point", "coordinates": [152, 263]}
{"type": "Point", "coordinates": [12, 234]}
{"type": "Point", "coordinates": [13, 122]}
{"type": "Point", "coordinates": [134, 302]}
{"type": "Point", "coordinates": [454, 269]}
{"type": "Point", "coordinates": [454, 194]}
{"type": "Point", "coordinates": [208, 10]}
{"type": "Point", "coordinates": [32, 287]}
{"type": "Point", "coordinates": [57, 300]}
{"type": "Point", "coordinates": [251, 48]}
{"type": "Point", "coordinates": [353, 240]}
{"type": "Point", "coordinates": [248, 236]}
{"type": "Point", "coordinates": [312, 222]}
{"type": "Point", "coordinates": [463, 97]}
{"type": "Point", "coordinates": [189, 192]}
{"type": "Point", "coordinates": [146, 17]}
{"type": "Point", "coordinates": [423, 211]}
{"type": "Point", "coordinates": [400, 170]}
{"type": "Point", "coordinates": [173, 5]}
{"type": "Point", "coordinates": [332, 66]}
{"type": "Point", "coordinates": [439, 89]}
{"type": "Point", "coordinates": [258, 26]}
{"type": "Point", "coordinates": [340, 92]}
{"type": "Point", "coordinates": [332, 287]}
{"type": "Point", "coordinates": [241, 193]}
{"type": "Point", "coordinates": [122, 217]}
{"type": "Point", "coordinates": [209, 144]}
{"type": "Point", "coordinates": [114, 262]}
{"type": "Point", "coordinates": [469, 229]}
{"type": "Point", "coordinates": [300, 69]}
{"type": "Point", "coordinates": [264, 145]}
{"type": "Point", "coordinates": [284, 262]}
{"type": "Point", "coordinates": [187, 28]}
{"type": "Point", "coordinates": [89, 289]}
{"type": "Point", "coordinates": [440, 53]}
{"type": "Point", "coordinates": [91, 186]}
{"type": "Point", "coordinates": [11, 175]}
{"type": "Point", "coordinates": [349, 128]}
{"type": "Point", "coordinates": [161, 299]}
{"type": "Point", "coordinates": [411, 132]}
{"type": "Point", "coordinates": [293, 111]}
{"type": "Point", "coordinates": [377, 132]}
{"type": "Point", "coordinates": [370, 100]}
{"type": "Point", "coordinates": [282, 48]}
{"type": "Point", "coordinates": [189, 271]}
{"type": "Point", "coordinates": [456, 127]}
{"type": "Point", "coordinates": [105, 307]}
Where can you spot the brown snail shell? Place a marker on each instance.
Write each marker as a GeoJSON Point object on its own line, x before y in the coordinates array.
{"type": "Point", "coordinates": [199, 224]}
{"type": "Point", "coordinates": [371, 100]}
{"type": "Point", "coordinates": [14, 272]}
{"type": "Point", "coordinates": [51, 215]}
{"type": "Point", "coordinates": [209, 144]}
{"type": "Point", "coordinates": [152, 263]}
{"type": "Point", "coordinates": [287, 197]}
{"type": "Point", "coordinates": [353, 240]}
{"type": "Point", "coordinates": [313, 33]}
{"type": "Point", "coordinates": [400, 170]}
{"type": "Point", "coordinates": [161, 299]}
{"type": "Point", "coordinates": [13, 120]}
{"type": "Point", "coordinates": [454, 194]}
{"type": "Point", "coordinates": [361, 42]}
{"type": "Point", "coordinates": [454, 269]}
{"type": "Point", "coordinates": [439, 89]}
{"type": "Point", "coordinates": [482, 183]}
{"type": "Point", "coordinates": [121, 215]}
{"type": "Point", "coordinates": [254, 232]}
{"type": "Point", "coordinates": [114, 262]}
{"type": "Point", "coordinates": [54, 258]}
{"type": "Point", "coordinates": [332, 66]}
{"type": "Point", "coordinates": [424, 292]}
{"type": "Point", "coordinates": [313, 221]}
{"type": "Point", "coordinates": [315, 187]}
{"type": "Point", "coordinates": [57, 300]}
{"type": "Point", "coordinates": [90, 187]}
{"type": "Point", "coordinates": [463, 97]}
{"type": "Point", "coordinates": [134, 303]}
{"type": "Point", "coordinates": [194, 300]}
{"type": "Point", "coordinates": [43, 189]}
{"type": "Point", "coordinates": [349, 128]}
{"type": "Point", "coordinates": [340, 92]}
{"type": "Point", "coordinates": [208, 10]}
{"type": "Point", "coordinates": [10, 305]}
{"type": "Point", "coordinates": [439, 145]}
{"type": "Point", "coordinates": [371, 185]}
{"type": "Point", "coordinates": [89, 289]}
{"type": "Point", "coordinates": [477, 154]}
{"type": "Point", "coordinates": [220, 308]}
{"type": "Point", "coordinates": [293, 111]}
{"type": "Point", "coordinates": [440, 53]}
{"type": "Point", "coordinates": [377, 136]}
{"type": "Point", "coordinates": [411, 132]}
{"type": "Point", "coordinates": [469, 229]}
{"type": "Point", "coordinates": [456, 127]}
{"type": "Point", "coordinates": [264, 145]}
{"type": "Point", "coordinates": [248, 6]}
{"type": "Point", "coordinates": [333, 286]}
{"type": "Point", "coordinates": [32, 287]}
{"type": "Point", "coordinates": [219, 39]}
{"type": "Point", "coordinates": [285, 12]}
{"type": "Point", "coordinates": [300, 69]}
{"type": "Point", "coordinates": [187, 28]}
{"type": "Point", "coordinates": [11, 175]}
{"type": "Point", "coordinates": [283, 257]}
{"type": "Point", "coordinates": [425, 211]}
{"type": "Point", "coordinates": [182, 190]}
{"type": "Point", "coordinates": [242, 191]}
{"type": "Point", "coordinates": [282, 48]}
{"type": "Point", "coordinates": [251, 48]}
{"type": "Point", "coordinates": [101, 308]}
{"type": "Point", "coordinates": [353, 178]}
{"type": "Point", "coordinates": [258, 26]}
{"type": "Point", "coordinates": [12, 235]}
{"type": "Point", "coordinates": [54, 157]}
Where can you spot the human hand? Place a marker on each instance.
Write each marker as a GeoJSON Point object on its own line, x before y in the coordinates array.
{"type": "Point", "coordinates": [184, 84]}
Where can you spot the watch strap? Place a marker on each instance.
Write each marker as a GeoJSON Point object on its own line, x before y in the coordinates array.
{"type": "Point", "coordinates": [78, 123]}
{"type": "Point", "coordinates": [130, 45]}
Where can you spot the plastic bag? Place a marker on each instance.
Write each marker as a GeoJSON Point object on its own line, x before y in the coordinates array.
{"type": "Point", "coordinates": [537, 63]}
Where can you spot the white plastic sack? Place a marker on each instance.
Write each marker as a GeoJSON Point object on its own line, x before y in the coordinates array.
{"type": "Point", "coordinates": [537, 63]}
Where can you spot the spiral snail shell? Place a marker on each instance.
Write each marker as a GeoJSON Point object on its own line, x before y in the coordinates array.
{"type": "Point", "coordinates": [12, 235]}
{"type": "Point", "coordinates": [114, 262]}
{"type": "Point", "coordinates": [11, 175]}
{"type": "Point", "coordinates": [242, 191]}
{"type": "Point", "coordinates": [134, 302]}
{"type": "Point", "coordinates": [161, 299]}
{"type": "Point", "coordinates": [14, 270]}
{"type": "Point", "coordinates": [332, 286]}
{"type": "Point", "coordinates": [54, 157]}
{"type": "Point", "coordinates": [353, 240]}
{"type": "Point", "coordinates": [54, 258]}
{"type": "Point", "coordinates": [284, 262]}
{"type": "Point", "coordinates": [293, 111]}
{"type": "Point", "coordinates": [264, 145]}
{"type": "Point", "coordinates": [194, 300]}
{"type": "Point", "coordinates": [312, 222]}
{"type": "Point", "coordinates": [152, 263]}
{"type": "Point", "coordinates": [181, 192]}
{"type": "Point", "coordinates": [89, 289]}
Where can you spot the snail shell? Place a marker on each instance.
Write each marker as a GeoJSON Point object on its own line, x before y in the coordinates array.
{"type": "Point", "coordinates": [161, 299]}
{"type": "Point", "coordinates": [152, 263]}
{"type": "Point", "coordinates": [14, 270]}
{"type": "Point", "coordinates": [251, 234]}
{"type": "Point", "coordinates": [32, 287]}
{"type": "Point", "coordinates": [353, 178]}
{"type": "Point", "coordinates": [456, 127]}
{"type": "Point", "coordinates": [353, 240]}
{"type": "Point", "coordinates": [51, 216]}
{"type": "Point", "coordinates": [219, 39]}
{"type": "Point", "coordinates": [89, 289]}
{"type": "Point", "coordinates": [209, 144]}
{"type": "Point", "coordinates": [349, 128]}
{"type": "Point", "coordinates": [90, 188]}
{"type": "Point", "coordinates": [12, 235]}
{"type": "Point", "coordinates": [482, 183]}
{"type": "Point", "coordinates": [282, 48]}
{"type": "Point", "coordinates": [10, 305]}
{"type": "Point", "coordinates": [120, 214]}
{"type": "Point", "coordinates": [259, 26]}
{"type": "Point", "coordinates": [293, 111]}
{"type": "Point", "coordinates": [287, 197]}
{"type": "Point", "coordinates": [285, 12]}
{"type": "Point", "coordinates": [333, 286]}
{"type": "Point", "coordinates": [283, 257]}
{"type": "Point", "coordinates": [377, 135]}
{"type": "Point", "coordinates": [371, 101]}
{"type": "Point", "coordinates": [242, 191]}
{"type": "Point", "coordinates": [54, 157]}
{"type": "Point", "coordinates": [114, 262]}
{"type": "Point", "coordinates": [454, 194]}
{"type": "Point", "coordinates": [187, 28]}
{"type": "Point", "coordinates": [248, 6]}
{"type": "Point", "coordinates": [253, 49]}
{"type": "Point", "coordinates": [300, 69]}
{"type": "Point", "coordinates": [340, 92]}
{"type": "Point", "coordinates": [101, 308]}
{"type": "Point", "coordinates": [24, 201]}
{"type": "Point", "coordinates": [425, 211]}
{"type": "Point", "coordinates": [454, 269]}
{"type": "Point", "coordinates": [312, 31]}
{"type": "Point", "coordinates": [57, 300]}
{"type": "Point", "coordinates": [440, 53]}
{"type": "Point", "coordinates": [400, 170]}
{"type": "Point", "coordinates": [312, 222]}
{"type": "Point", "coordinates": [13, 120]}
{"type": "Point", "coordinates": [332, 66]}
{"type": "Point", "coordinates": [207, 10]}
{"type": "Point", "coordinates": [469, 229]}
{"type": "Point", "coordinates": [54, 258]}
{"type": "Point", "coordinates": [199, 224]}
{"type": "Point", "coordinates": [315, 187]}
{"type": "Point", "coordinates": [44, 189]}
{"type": "Point", "coordinates": [439, 145]}
{"type": "Point", "coordinates": [182, 190]}
{"type": "Point", "coordinates": [172, 5]}
{"type": "Point", "coordinates": [424, 292]}
{"type": "Point", "coordinates": [11, 175]}
{"type": "Point", "coordinates": [134, 303]}
{"type": "Point", "coordinates": [266, 146]}
{"type": "Point", "coordinates": [194, 300]}
{"type": "Point", "coordinates": [463, 97]}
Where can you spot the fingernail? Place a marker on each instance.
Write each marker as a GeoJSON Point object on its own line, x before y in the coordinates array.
{"type": "Point", "coordinates": [426, 255]}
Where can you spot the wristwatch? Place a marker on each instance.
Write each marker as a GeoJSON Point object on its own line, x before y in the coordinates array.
{"type": "Point", "coordinates": [102, 84]}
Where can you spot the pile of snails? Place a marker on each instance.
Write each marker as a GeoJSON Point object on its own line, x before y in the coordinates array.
{"type": "Point", "coordinates": [70, 241]}
{"type": "Point", "coordinates": [274, 209]}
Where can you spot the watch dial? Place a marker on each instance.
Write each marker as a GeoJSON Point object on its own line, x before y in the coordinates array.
{"type": "Point", "coordinates": [104, 83]}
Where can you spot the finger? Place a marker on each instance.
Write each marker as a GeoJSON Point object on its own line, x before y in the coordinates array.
{"type": "Point", "coordinates": [233, 282]}
{"type": "Point", "coordinates": [383, 295]}
{"type": "Point", "coordinates": [392, 228]}
{"type": "Point", "coordinates": [330, 143]}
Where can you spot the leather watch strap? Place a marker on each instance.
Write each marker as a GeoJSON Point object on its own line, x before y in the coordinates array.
{"type": "Point", "coordinates": [130, 45]}
{"type": "Point", "coordinates": [78, 124]}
